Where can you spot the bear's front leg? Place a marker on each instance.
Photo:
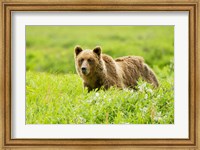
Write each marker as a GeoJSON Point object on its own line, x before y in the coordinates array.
{"type": "Point", "coordinates": [87, 86]}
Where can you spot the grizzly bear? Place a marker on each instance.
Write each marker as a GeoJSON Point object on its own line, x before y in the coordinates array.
{"type": "Point", "coordinates": [99, 70]}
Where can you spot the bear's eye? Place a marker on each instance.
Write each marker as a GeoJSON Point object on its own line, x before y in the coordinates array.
{"type": "Point", "coordinates": [81, 60]}
{"type": "Point", "coordinates": [90, 60]}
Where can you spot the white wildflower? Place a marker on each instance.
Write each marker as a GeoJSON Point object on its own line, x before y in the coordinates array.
{"type": "Point", "coordinates": [158, 116]}
{"type": "Point", "coordinates": [150, 91]}
{"type": "Point", "coordinates": [97, 94]}
{"type": "Point", "coordinates": [144, 110]}
{"type": "Point", "coordinates": [109, 99]}
{"type": "Point", "coordinates": [89, 100]}
{"type": "Point", "coordinates": [142, 87]}
{"type": "Point", "coordinates": [125, 89]}
{"type": "Point", "coordinates": [146, 96]}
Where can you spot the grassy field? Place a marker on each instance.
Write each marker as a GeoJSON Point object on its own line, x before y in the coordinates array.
{"type": "Point", "coordinates": [54, 92]}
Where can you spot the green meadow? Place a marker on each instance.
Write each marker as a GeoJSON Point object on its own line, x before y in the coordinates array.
{"type": "Point", "coordinates": [54, 92]}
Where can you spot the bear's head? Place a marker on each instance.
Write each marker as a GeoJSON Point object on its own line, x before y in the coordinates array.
{"type": "Point", "coordinates": [87, 61]}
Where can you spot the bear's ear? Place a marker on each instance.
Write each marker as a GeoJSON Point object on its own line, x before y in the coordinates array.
{"type": "Point", "coordinates": [77, 50]}
{"type": "Point", "coordinates": [97, 50]}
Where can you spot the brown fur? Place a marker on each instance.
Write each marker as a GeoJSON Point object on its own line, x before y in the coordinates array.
{"type": "Point", "coordinates": [100, 70]}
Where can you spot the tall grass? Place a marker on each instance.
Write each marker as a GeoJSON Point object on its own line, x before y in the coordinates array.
{"type": "Point", "coordinates": [61, 99]}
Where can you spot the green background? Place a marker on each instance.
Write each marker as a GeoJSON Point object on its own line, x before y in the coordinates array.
{"type": "Point", "coordinates": [51, 48]}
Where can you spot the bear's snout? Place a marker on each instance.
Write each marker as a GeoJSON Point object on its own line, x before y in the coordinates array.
{"type": "Point", "coordinates": [84, 70]}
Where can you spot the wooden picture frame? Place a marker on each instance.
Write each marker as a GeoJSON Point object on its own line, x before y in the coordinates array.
{"type": "Point", "coordinates": [130, 5]}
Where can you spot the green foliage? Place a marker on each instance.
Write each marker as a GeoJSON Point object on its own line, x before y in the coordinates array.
{"type": "Point", "coordinates": [55, 95]}
{"type": "Point", "coordinates": [61, 99]}
{"type": "Point", "coordinates": [51, 48]}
